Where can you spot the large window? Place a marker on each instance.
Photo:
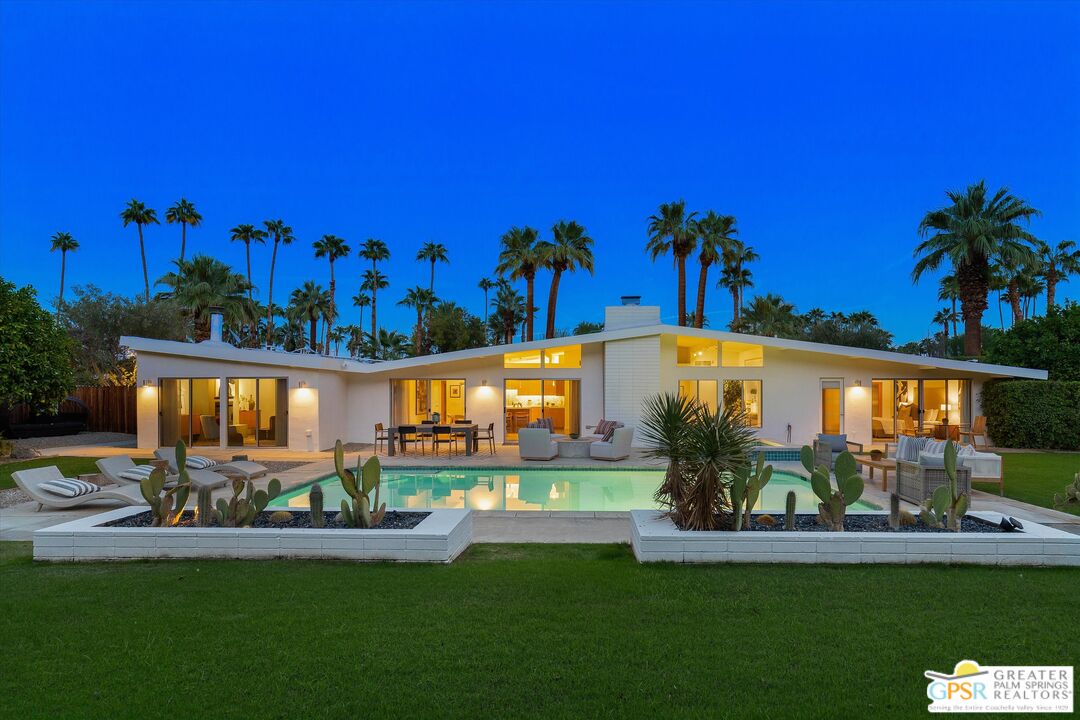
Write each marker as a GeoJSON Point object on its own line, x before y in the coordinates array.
{"type": "Point", "coordinates": [526, 401]}
{"type": "Point", "coordinates": [256, 410]}
{"type": "Point", "coordinates": [564, 356]}
{"type": "Point", "coordinates": [745, 395]}
{"type": "Point", "coordinates": [737, 354]}
{"type": "Point", "coordinates": [695, 352]}
{"type": "Point", "coordinates": [703, 391]}
{"type": "Point", "coordinates": [914, 407]}
{"type": "Point", "coordinates": [413, 401]}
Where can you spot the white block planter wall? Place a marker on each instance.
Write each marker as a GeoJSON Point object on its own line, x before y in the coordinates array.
{"type": "Point", "coordinates": [656, 539]}
{"type": "Point", "coordinates": [440, 537]}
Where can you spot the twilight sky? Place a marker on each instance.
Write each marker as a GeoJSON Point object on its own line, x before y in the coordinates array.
{"type": "Point", "coordinates": [828, 129]}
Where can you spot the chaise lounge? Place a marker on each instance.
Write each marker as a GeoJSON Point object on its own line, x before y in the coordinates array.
{"type": "Point", "coordinates": [237, 468]}
{"type": "Point", "coordinates": [122, 470]}
{"type": "Point", "coordinates": [48, 487]}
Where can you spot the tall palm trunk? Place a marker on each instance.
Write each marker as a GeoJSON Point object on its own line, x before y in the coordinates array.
{"type": "Point", "coordinates": [553, 297]}
{"type": "Point", "coordinates": [1051, 289]}
{"type": "Point", "coordinates": [247, 252]}
{"type": "Point", "coordinates": [374, 292]}
{"type": "Point", "coordinates": [142, 252]}
{"type": "Point", "coordinates": [953, 316]}
{"type": "Point", "coordinates": [63, 270]}
{"type": "Point", "coordinates": [972, 279]}
{"type": "Point", "coordinates": [699, 309]}
{"type": "Point", "coordinates": [313, 332]}
{"type": "Point", "coordinates": [485, 308]}
{"type": "Point", "coordinates": [1014, 301]}
{"type": "Point", "coordinates": [183, 239]}
{"type": "Point", "coordinates": [682, 290]}
{"type": "Point", "coordinates": [418, 336]}
{"type": "Point", "coordinates": [270, 296]}
{"type": "Point", "coordinates": [333, 308]}
{"type": "Point", "coordinates": [431, 286]}
{"type": "Point", "coordinates": [734, 305]}
{"type": "Point", "coordinates": [529, 281]}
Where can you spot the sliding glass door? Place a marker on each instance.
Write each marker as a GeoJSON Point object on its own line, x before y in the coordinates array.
{"type": "Point", "coordinates": [188, 411]}
{"type": "Point", "coordinates": [527, 401]}
{"type": "Point", "coordinates": [413, 401]}
{"type": "Point", "coordinates": [258, 412]}
{"type": "Point", "coordinates": [912, 407]}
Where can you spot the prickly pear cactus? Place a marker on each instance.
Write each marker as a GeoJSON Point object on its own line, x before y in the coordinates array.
{"type": "Point", "coordinates": [746, 486]}
{"type": "Point", "coordinates": [946, 507]}
{"type": "Point", "coordinates": [240, 511]}
{"type": "Point", "coordinates": [849, 486]}
{"type": "Point", "coordinates": [359, 486]}
{"type": "Point", "coordinates": [166, 505]}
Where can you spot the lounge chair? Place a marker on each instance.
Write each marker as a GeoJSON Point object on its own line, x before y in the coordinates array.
{"type": "Point", "coordinates": [237, 468]}
{"type": "Point", "coordinates": [618, 448]}
{"type": "Point", "coordinates": [115, 468]}
{"type": "Point", "coordinates": [978, 429]}
{"type": "Point", "coordinates": [30, 482]}
{"type": "Point", "coordinates": [536, 444]}
{"type": "Point", "coordinates": [828, 447]}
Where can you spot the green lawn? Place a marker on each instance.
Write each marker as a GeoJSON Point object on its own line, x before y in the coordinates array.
{"type": "Point", "coordinates": [1035, 477]}
{"type": "Point", "coordinates": [509, 631]}
{"type": "Point", "coordinates": [69, 466]}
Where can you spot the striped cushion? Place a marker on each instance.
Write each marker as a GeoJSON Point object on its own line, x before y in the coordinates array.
{"type": "Point", "coordinates": [603, 426]}
{"type": "Point", "coordinates": [610, 433]}
{"type": "Point", "coordinates": [137, 473]}
{"type": "Point", "coordinates": [200, 462]}
{"type": "Point", "coordinates": [68, 487]}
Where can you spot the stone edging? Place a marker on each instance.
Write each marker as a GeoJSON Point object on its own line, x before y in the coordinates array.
{"type": "Point", "coordinates": [655, 538]}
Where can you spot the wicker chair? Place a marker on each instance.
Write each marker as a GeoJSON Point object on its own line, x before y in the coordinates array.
{"type": "Point", "coordinates": [915, 482]}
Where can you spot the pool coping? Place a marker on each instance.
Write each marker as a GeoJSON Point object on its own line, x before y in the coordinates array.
{"type": "Point", "coordinates": [655, 538]}
{"type": "Point", "coordinates": [440, 537]}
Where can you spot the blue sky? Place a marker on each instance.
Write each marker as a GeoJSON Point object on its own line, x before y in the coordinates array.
{"type": "Point", "coordinates": [828, 129]}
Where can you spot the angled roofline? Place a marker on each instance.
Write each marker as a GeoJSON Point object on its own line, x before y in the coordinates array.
{"type": "Point", "coordinates": [225, 351]}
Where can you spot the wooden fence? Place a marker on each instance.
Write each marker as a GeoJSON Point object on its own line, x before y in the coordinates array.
{"type": "Point", "coordinates": [108, 409]}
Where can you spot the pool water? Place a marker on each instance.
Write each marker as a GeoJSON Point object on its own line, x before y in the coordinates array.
{"type": "Point", "coordinates": [537, 489]}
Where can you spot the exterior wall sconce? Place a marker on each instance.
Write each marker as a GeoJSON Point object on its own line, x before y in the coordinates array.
{"type": "Point", "coordinates": [858, 383]}
{"type": "Point", "coordinates": [302, 384]}
{"type": "Point", "coordinates": [148, 383]}
{"type": "Point", "coordinates": [484, 382]}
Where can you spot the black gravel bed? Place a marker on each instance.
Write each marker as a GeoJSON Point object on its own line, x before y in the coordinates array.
{"type": "Point", "coordinates": [869, 524]}
{"type": "Point", "coordinates": [393, 520]}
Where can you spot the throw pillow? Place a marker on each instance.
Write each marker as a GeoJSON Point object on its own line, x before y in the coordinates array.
{"type": "Point", "coordinates": [68, 487]}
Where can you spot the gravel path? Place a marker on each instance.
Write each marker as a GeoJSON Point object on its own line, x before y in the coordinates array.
{"type": "Point", "coordinates": [86, 438]}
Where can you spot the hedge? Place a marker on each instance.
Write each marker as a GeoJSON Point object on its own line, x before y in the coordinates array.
{"type": "Point", "coordinates": [1037, 414]}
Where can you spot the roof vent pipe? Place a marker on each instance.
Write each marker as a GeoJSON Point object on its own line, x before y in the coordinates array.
{"type": "Point", "coordinates": [631, 299]}
{"type": "Point", "coordinates": [215, 323]}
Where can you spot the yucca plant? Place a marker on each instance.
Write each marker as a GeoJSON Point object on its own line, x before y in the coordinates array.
{"type": "Point", "coordinates": [665, 421]}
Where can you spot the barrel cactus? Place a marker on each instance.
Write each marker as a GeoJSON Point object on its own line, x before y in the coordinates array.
{"type": "Point", "coordinates": [946, 507]}
{"type": "Point", "coordinates": [204, 506]}
{"type": "Point", "coordinates": [746, 486]}
{"type": "Point", "coordinates": [789, 511]}
{"type": "Point", "coordinates": [315, 503]}
{"type": "Point", "coordinates": [849, 486]}
{"type": "Point", "coordinates": [358, 486]}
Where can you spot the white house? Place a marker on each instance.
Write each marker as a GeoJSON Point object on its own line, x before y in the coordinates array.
{"type": "Point", "coordinates": [790, 390]}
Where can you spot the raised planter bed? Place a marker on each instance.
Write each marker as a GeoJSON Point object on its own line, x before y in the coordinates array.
{"type": "Point", "coordinates": [656, 539]}
{"type": "Point", "coordinates": [440, 537]}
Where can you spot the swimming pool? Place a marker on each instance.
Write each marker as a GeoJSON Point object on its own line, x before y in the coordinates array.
{"type": "Point", "coordinates": [524, 489]}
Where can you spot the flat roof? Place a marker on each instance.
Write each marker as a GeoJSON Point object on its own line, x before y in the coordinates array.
{"type": "Point", "coordinates": [224, 351]}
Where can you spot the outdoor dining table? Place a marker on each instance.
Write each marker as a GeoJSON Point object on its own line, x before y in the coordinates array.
{"type": "Point", "coordinates": [470, 431]}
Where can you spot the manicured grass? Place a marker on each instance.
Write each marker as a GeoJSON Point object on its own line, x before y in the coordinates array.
{"type": "Point", "coordinates": [70, 466]}
{"type": "Point", "coordinates": [509, 631]}
{"type": "Point", "coordinates": [1035, 477]}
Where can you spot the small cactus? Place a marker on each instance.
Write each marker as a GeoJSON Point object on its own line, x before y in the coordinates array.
{"type": "Point", "coordinates": [241, 512]}
{"type": "Point", "coordinates": [315, 502]}
{"type": "Point", "coordinates": [166, 506]}
{"type": "Point", "coordinates": [906, 519]}
{"type": "Point", "coordinates": [894, 511]}
{"type": "Point", "coordinates": [358, 486]}
{"type": "Point", "coordinates": [280, 517]}
{"type": "Point", "coordinates": [204, 506]}
{"type": "Point", "coordinates": [789, 511]}
{"type": "Point", "coordinates": [946, 507]}
{"type": "Point", "coordinates": [746, 486]}
{"type": "Point", "coordinates": [768, 520]}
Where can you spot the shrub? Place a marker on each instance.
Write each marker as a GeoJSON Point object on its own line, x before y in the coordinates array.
{"type": "Point", "coordinates": [1033, 413]}
{"type": "Point", "coordinates": [35, 352]}
{"type": "Point", "coordinates": [1050, 343]}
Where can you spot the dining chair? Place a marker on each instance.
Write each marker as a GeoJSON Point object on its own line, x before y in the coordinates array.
{"type": "Point", "coordinates": [442, 435]}
{"type": "Point", "coordinates": [489, 435]}
{"type": "Point", "coordinates": [408, 434]}
{"type": "Point", "coordinates": [381, 436]}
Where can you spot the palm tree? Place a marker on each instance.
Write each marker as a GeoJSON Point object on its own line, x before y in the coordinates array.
{"type": "Point", "coordinates": [970, 232]}
{"type": "Point", "coordinates": [433, 252]}
{"type": "Point", "coordinates": [205, 282]}
{"type": "Point", "coordinates": [374, 281]}
{"type": "Point", "coordinates": [485, 284]}
{"type": "Point", "coordinates": [672, 229]}
{"type": "Point", "coordinates": [336, 336]}
{"type": "Point", "coordinates": [421, 299]}
{"type": "Point", "coordinates": [735, 280]}
{"type": "Point", "coordinates": [509, 312]}
{"type": "Point", "coordinates": [248, 234]}
{"type": "Point", "coordinates": [375, 251]}
{"type": "Point", "coordinates": [770, 315]}
{"type": "Point", "coordinates": [333, 248]}
{"type": "Point", "coordinates": [736, 257]}
{"type": "Point", "coordinates": [520, 257]}
{"type": "Point", "coordinates": [1059, 262]}
{"type": "Point", "coordinates": [137, 213]}
{"type": "Point", "coordinates": [949, 289]}
{"type": "Point", "coordinates": [717, 233]}
{"type": "Point", "coordinates": [569, 250]}
{"type": "Point", "coordinates": [184, 212]}
{"type": "Point", "coordinates": [311, 302]}
{"type": "Point", "coordinates": [63, 242]}
{"type": "Point", "coordinates": [388, 345]}
{"type": "Point", "coordinates": [361, 300]}
{"type": "Point", "coordinates": [282, 235]}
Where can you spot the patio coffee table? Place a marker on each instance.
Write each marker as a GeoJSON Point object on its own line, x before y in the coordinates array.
{"type": "Point", "coordinates": [884, 465]}
{"type": "Point", "coordinates": [574, 448]}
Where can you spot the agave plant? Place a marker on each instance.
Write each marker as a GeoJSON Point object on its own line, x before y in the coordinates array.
{"type": "Point", "coordinates": [718, 444]}
{"type": "Point", "coordinates": [665, 420]}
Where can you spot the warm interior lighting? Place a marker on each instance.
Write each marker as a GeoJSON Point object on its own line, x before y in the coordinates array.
{"type": "Point", "coordinates": [302, 384]}
{"type": "Point", "coordinates": [148, 383]}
